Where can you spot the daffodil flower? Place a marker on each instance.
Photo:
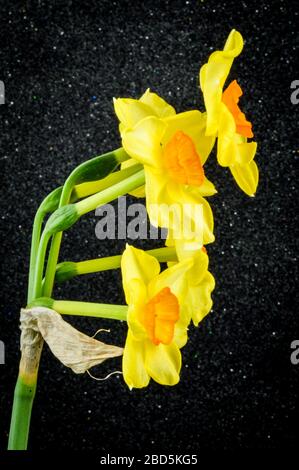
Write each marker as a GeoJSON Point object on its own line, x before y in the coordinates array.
{"type": "Point", "coordinates": [173, 151]}
{"type": "Point", "coordinates": [200, 282]}
{"type": "Point", "coordinates": [157, 319]}
{"type": "Point", "coordinates": [224, 117]}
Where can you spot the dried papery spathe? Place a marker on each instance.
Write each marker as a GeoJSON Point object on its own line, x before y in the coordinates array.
{"type": "Point", "coordinates": [73, 348]}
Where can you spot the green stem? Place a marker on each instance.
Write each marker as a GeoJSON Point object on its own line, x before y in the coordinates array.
{"type": "Point", "coordinates": [49, 204]}
{"type": "Point", "coordinates": [37, 285]}
{"type": "Point", "coordinates": [55, 245]}
{"type": "Point", "coordinates": [25, 391]}
{"type": "Point", "coordinates": [21, 415]}
{"type": "Point", "coordinates": [90, 309]}
{"type": "Point", "coordinates": [86, 189]}
{"type": "Point", "coordinates": [36, 231]}
{"type": "Point", "coordinates": [109, 194]}
{"type": "Point", "coordinates": [69, 269]}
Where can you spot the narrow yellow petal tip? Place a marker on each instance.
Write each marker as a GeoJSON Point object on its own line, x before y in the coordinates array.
{"type": "Point", "coordinates": [234, 43]}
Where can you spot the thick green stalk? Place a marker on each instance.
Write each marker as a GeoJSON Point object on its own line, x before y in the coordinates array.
{"type": "Point", "coordinates": [21, 415]}
{"type": "Point", "coordinates": [25, 391]}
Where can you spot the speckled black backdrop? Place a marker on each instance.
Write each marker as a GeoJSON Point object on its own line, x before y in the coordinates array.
{"type": "Point", "coordinates": [62, 62]}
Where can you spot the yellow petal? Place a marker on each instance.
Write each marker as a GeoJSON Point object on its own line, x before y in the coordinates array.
{"type": "Point", "coordinates": [163, 363]}
{"type": "Point", "coordinates": [192, 123]}
{"type": "Point", "coordinates": [199, 268]}
{"type": "Point", "coordinates": [213, 75]}
{"type": "Point", "coordinates": [246, 176]}
{"type": "Point", "coordinates": [226, 145]}
{"type": "Point", "coordinates": [134, 372]}
{"type": "Point", "coordinates": [136, 294]}
{"type": "Point", "coordinates": [130, 111]}
{"type": "Point", "coordinates": [196, 218]}
{"type": "Point", "coordinates": [174, 278]}
{"type": "Point", "coordinates": [143, 141]}
{"type": "Point", "coordinates": [157, 197]}
{"type": "Point", "coordinates": [245, 152]}
{"type": "Point", "coordinates": [135, 290]}
{"type": "Point", "coordinates": [184, 248]}
{"type": "Point", "coordinates": [140, 266]}
{"type": "Point", "coordinates": [163, 207]}
{"type": "Point", "coordinates": [181, 327]}
{"type": "Point", "coordinates": [200, 282]}
{"type": "Point", "coordinates": [199, 298]}
{"type": "Point", "coordinates": [232, 148]}
{"type": "Point", "coordinates": [159, 107]}
{"type": "Point", "coordinates": [181, 330]}
{"type": "Point", "coordinates": [233, 46]}
{"type": "Point", "coordinates": [206, 189]}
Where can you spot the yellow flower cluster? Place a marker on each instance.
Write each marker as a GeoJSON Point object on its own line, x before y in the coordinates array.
{"type": "Point", "coordinates": [173, 149]}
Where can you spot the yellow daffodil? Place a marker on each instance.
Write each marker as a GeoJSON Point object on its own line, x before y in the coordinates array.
{"type": "Point", "coordinates": [224, 117]}
{"type": "Point", "coordinates": [200, 282]}
{"type": "Point", "coordinates": [173, 151]}
{"type": "Point", "coordinates": [157, 319]}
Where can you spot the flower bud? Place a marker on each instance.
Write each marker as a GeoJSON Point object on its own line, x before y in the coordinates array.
{"type": "Point", "coordinates": [62, 219]}
{"type": "Point", "coordinates": [98, 167]}
{"type": "Point", "coordinates": [65, 271]}
{"type": "Point", "coordinates": [51, 203]}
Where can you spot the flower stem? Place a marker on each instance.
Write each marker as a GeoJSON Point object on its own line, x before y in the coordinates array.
{"type": "Point", "coordinates": [49, 204]}
{"type": "Point", "coordinates": [90, 309]}
{"type": "Point", "coordinates": [56, 241]}
{"type": "Point", "coordinates": [66, 270]}
{"type": "Point", "coordinates": [86, 189]}
{"type": "Point", "coordinates": [37, 285]}
{"type": "Point", "coordinates": [109, 194]}
{"type": "Point", "coordinates": [36, 232]}
{"type": "Point", "coordinates": [85, 309]}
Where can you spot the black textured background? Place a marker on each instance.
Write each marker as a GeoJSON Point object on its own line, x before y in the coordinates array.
{"type": "Point", "coordinates": [62, 62]}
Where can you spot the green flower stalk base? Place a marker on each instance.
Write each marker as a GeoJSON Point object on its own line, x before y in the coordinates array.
{"type": "Point", "coordinates": [21, 415]}
{"type": "Point", "coordinates": [25, 390]}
